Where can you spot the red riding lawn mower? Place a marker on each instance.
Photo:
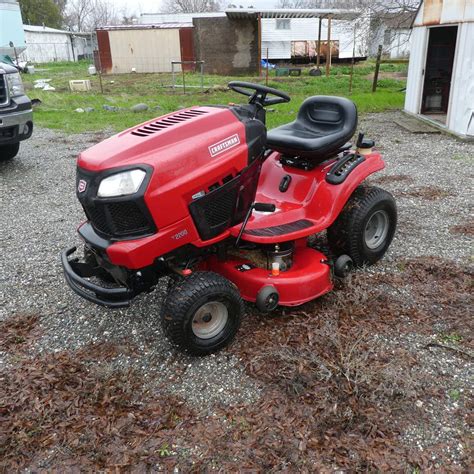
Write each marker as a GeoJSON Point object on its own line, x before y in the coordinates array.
{"type": "Point", "coordinates": [207, 197]}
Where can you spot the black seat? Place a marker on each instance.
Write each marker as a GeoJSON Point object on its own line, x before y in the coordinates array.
{"type": "Point", "coordinates": [323, 125]}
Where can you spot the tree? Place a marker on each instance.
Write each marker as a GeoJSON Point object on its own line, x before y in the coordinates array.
{"type": "Point", "coordinates": [61, 4]}
{"type": "Point", "coordinates": [87, 15]}
{"type": "Point", "coordinates": [191, 6]}
{"type": "Point", "coordinates": [41, 12]}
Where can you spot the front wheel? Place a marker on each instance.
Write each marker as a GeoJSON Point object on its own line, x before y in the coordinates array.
{"type": "Point", "coordinates": [202, 313]}
{"type": "Point", "coordinates": [7, 152]}
{"type": "Point", "coordinates": [365, 227]}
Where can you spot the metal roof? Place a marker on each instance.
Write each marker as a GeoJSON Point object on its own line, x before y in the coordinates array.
{"type": "Point", "coordinates": [337, 14]}
{"type": "Point", "coordinates": [160, 26]}
{"type": "Point", "coordinates": [44, 29]}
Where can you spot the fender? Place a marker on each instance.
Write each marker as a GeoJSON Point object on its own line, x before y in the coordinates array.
{"type": "Point", "coordinates": [309, 205]}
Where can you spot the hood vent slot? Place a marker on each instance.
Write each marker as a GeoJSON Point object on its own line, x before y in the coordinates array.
{"type": "Point", "coordinates": [164, 123]}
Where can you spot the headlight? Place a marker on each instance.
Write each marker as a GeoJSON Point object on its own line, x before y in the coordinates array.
{"type": "Point", "coordinates": [15, 86]}
{"type": "Point", "coordinates": [121, 184]}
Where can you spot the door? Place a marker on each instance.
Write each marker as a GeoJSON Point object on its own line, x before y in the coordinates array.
{"type": "Point", "coordinates": [439, 69]}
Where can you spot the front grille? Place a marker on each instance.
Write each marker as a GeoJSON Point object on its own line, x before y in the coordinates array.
{"type": "Point", "coordinates": [226, 205]}
{"type": "Point", "coordinates": [3, 90]}
{"type": "Point", "coordinates": [118, 219]}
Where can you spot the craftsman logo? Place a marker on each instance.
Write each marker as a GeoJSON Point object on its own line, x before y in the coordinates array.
{"type": "Point", "coordinates": [224, 145]}
{"type": "Point", "coordinates": [82, 185]}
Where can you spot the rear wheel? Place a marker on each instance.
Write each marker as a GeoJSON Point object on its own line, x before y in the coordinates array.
{"type": "Point", "coordinates": [202, 313]}
{"type": "Point", "coordinates": [7, 152]}
{"type": "Point", "coordinates": [365, 227]}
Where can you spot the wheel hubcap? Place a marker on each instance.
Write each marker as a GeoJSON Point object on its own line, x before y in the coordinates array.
{"type": "Point", "coordinates": [376, 229]}
{"type": "Point", "coordinates": [210, 319]}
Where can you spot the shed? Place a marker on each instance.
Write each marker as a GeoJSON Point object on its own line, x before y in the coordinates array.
{"type": "Point", "coordinates": [44, 44]}
{"type": "Point", "coordinates": [144, 48]}
{"type": "Point", "coordinates": [440, 83]}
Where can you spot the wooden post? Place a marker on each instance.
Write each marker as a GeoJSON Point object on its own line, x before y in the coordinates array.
{"type": "Point", "coordinates": [353, 61]}
{"type": "Point", "coordinates": [184, 80]}
{"type": "Point", "coordinates": [266, 76]}
{"type": "Point", "coordinates": [377, 67]}
{"type": "Point", "coordinates": [99, 72]}
{"type": "Point", "coordinates": [328, 54]}
{"type": "Point", "coordinates": [318, 59]}
{"type": "Point", "coordinates": [259, 45]}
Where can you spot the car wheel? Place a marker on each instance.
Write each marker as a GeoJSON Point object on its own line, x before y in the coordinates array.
{"type": "Point", "coordinates": [7, 152]}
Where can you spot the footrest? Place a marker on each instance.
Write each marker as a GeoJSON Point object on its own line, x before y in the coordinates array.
{"type": "Point", "coordinates": [279, 230]}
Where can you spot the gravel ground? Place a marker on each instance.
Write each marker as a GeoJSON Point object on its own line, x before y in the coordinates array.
{"type": "Point", "coordinates": [40, 214]}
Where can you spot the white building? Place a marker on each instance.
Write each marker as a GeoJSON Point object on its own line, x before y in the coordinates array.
{"type": "Point", "coordinates": [393, 32]}
{"type": "Point", "coordinates": [440, 84]}
{"type": "Point", "coordinates": [289, 33]}
{"type": "Point", "coordinates": [297, 37]}
{"type": "Point", "coordinates": [45, 45]}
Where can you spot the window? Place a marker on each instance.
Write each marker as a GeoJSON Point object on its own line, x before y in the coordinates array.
{"type": "Point", "coordinates": [283, 24]}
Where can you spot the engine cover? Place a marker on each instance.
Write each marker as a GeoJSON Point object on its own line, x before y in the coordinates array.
{"type": "Point", "coordinates": [190, 155]}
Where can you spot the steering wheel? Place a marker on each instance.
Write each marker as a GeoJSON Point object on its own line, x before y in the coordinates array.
{"type": "Point", "coordinates": [258, 93]}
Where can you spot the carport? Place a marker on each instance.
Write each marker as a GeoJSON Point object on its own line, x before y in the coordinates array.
{"type": "Point", "coordinates": [326, 15]}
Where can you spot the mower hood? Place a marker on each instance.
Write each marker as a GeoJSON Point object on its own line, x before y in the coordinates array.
{"type": "Point", "coordinates": [173, 144]}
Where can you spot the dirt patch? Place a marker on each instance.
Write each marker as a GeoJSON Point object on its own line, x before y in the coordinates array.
{"type": "Point", "coordinates": [429, 193]}
{"type": "Point", "coordinates": [463, 229]}
{"type": "Point", "coordinates": [62, 409]}
{"type": "Point", "coordinates": [397, 75]}
{"type": "Point", "coordinates": [335, 387]}
{"type": "Point", "coordinates": [17, 331]}
{"type": "Point", "coordinates": [339, 390]}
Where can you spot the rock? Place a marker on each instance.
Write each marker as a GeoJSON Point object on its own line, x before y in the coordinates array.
{"type": "Point", "coordinates": [315, 72]}
{"type": "Point", "coordinates": [157, 107]}
{"type": "Point", "coordinates": [110, 108]}
{"type": "Point", "coordinates": [89, 109]}
{"type": "Point", "coordinates": [79, 111]}
{"type": "Point", "coordinates": [139, 108]}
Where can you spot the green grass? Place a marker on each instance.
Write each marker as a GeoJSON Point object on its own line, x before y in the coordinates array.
{"type": "Point", "coordinates": [125, 90]}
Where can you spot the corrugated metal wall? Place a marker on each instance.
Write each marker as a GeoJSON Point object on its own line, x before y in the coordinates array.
{"type": "Point", "coordinates": [47, 47]}
{"type": "Point", "coordinates": [415, 68]}
{"type": "Point", "coordinates": [145, 50]}
{"type": "Point", "coordinates": [437, 12]}
{"type": "Point", "coordinates": [461, 112]}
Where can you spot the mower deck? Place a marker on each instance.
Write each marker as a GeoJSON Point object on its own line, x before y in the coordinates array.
{"type": "Point", "coordinates": [308, 278]}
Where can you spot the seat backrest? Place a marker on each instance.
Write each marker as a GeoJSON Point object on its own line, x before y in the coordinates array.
{"type": "Point", "coordinates": [328, 114]}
